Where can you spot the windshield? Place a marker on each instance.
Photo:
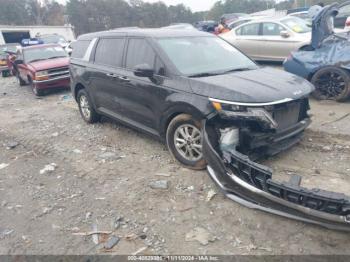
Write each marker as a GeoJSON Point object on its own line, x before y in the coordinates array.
{"type": "Point", "coordinates": [8, 48]}
{"type": "Point", "coordinates": [200, 55]}
{"type": "Point", "coordinates": [53, 39]}
{"type": "Point", "coordinates": [296, 24]}
{"type": "Point", "coordinates": [43, 53]}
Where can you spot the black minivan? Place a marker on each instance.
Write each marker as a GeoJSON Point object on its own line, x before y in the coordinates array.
{"type": "Point", "coordinates": [213, 106]}
{"type": "Point", "coordinates": [166, 82]}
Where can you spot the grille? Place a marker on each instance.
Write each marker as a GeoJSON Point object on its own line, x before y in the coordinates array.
{"type": "Point", "coordinates": [286, 115]}
{"type": "Point", "coordinates": [58, 72]}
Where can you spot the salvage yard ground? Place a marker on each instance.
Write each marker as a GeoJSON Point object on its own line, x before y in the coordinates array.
{"type": "Point", "coordinates": [61, 178]}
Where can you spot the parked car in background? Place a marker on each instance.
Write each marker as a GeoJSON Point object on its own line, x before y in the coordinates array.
{"type": "Point", "coordinates": [180, 26]}
{"type": "Point", "coordinates": [43, 67]}
{"type": "Point", "coordinates": [54, 39]}
{"type": "Point", "coordinates": [326, 62]}
{"type": "Point", "coordinates": [270, 39]}
{"type": "Point", "coordinates": [6, 57]}
{"type": "Point", "coordinates": [303, 15]}
{"type": "Point", "coordinates": [31, 41]}
{"type": "Point", "coordinates": [206, 26]}
{"type": "Point", "coordinates": [340, 20]}
{"type": "Point", "coordinates": [229, 18]}
{"type": "Point", "coordinates": [243, 20]}
{"type": "Point", "coordinates": [69, 48]}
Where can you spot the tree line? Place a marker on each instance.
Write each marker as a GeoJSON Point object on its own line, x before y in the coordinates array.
{"type": "Point", "coordinates": [95, 15]}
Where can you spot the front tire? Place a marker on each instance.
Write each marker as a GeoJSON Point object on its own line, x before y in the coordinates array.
{"type": "Point", "coordinates": [86, 108]}
{"type": "Point", "coordinates": [184, 140]}
{"type": "Point", "coordinates": [35, 89]}
{"type": "Point", "coordinates": [20, 81]}
{"type": "Point", "coordinates": [331, 83]}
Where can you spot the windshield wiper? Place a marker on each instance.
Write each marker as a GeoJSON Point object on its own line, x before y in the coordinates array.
{"type": "Point", "coordinates": [237, 70]}
{"type": "Point", "coordinates": [203, 74]}
{"type": "Point", "coordinates": [56, 57]}
{"type": "Point", "coordinates": [35, 60]}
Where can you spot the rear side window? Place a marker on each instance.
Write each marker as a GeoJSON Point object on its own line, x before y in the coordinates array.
{"type": "Point", "coordinates": [109, 51]}
{"type": "Point", "coordinates": [79, 48]}
{"type": "Point", "coordinates": [139, 52]}
{"type": "Point", "coordinates": [251, 29]}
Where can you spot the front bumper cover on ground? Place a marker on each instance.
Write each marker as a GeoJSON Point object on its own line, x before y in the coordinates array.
{"type": "Point", "coordinates": [251, 185]}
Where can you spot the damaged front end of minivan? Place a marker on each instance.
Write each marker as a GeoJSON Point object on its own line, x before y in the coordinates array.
{"type": "Point", "coordinates": [238, 134]}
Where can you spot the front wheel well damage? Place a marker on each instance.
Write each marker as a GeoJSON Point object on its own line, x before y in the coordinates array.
{"type": "Point", "coordinates": [172, 113]}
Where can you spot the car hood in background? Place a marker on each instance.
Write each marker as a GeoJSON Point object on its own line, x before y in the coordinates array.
{"type": "Point", "coordinates": [322, 24]}
{"type": "Point", "coordinates": [49, 63]}
{"type": "Point", "coordinates": [261, 85]}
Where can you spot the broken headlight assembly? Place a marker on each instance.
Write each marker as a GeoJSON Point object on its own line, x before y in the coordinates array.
{"type": "Point", "coordinates": [240, 112]}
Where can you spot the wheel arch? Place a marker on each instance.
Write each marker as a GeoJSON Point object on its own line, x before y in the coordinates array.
{"type": "Point", "coordinates": [313, 72]}
{"type": "Point", "coordinates": [77, 88]}
{"type": "Point", "coordinates": [174, 111]}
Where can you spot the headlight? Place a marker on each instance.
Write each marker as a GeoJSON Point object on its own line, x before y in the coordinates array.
{"type": "Point", "coordinates": [228, 107]}
{"type": "Point", "coordinates": [42, 75]}
{"type": "Point", "coordinates": [245, 113]}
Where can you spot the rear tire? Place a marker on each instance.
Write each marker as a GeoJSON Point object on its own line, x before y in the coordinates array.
{"type": "Point", "coordinates": [331, 83]}
{"type": "Point", "coordinates": [86, 108]}
{"type": "Point", "coordinates": [184, 141]}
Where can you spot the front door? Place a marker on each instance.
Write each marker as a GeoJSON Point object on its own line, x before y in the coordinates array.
{"type": "Point", "coordinates": [276, 47]}
{"type": "Point", "coordinates": [140, 95]}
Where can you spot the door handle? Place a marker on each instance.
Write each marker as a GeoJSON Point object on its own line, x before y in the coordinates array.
{"type": "Point", "coordinates": [111, 75]}
{"type": "Point", "coordinates": [124, 78]}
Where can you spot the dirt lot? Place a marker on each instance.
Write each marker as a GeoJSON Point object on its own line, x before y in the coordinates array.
{"type": "Point", "coordinates": [101, 179]}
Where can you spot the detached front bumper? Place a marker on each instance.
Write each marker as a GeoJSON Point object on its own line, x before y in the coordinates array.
{"type": "Point", "coordinates": [251, 185]}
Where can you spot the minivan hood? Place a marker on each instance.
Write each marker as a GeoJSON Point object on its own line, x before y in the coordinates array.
{"type": "Point", "coordinates": [262, 85]}
{"type": "Point", "coordinates": [50, 63]}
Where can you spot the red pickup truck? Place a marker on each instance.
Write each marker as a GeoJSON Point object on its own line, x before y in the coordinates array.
{"type": "Point", "coordinates": [43, 67]}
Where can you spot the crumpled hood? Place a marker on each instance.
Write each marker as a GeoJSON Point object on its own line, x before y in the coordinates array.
{"type": "Point", "coordinates": [323, 25]}
{"type": "Point", "coordinates": [261, 85]}
{"type": "Point", "coordinates": [50, 63]}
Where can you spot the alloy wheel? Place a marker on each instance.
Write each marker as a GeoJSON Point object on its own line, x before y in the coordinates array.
{"type": "Point", "coordinates": [188, 143]}
{"type": "Point", "coordinates": [330, 84]}
{"type": "Point", "coordinates": [85, 107]}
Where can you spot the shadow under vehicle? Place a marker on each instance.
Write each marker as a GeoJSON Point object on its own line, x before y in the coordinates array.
{"type": "Point", "coordinates": [326, 62]}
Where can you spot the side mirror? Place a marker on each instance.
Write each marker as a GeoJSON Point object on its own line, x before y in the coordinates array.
{"type": "Point", "coordinates": [284, 34]}
{"type": "Point", "coordinates": [18, 62]}
{"type": "Point", "coordinates": [143, 70]}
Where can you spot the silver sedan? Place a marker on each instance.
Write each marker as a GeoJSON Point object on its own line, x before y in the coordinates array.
{"type": "Point", "coordinates": [270, 39]}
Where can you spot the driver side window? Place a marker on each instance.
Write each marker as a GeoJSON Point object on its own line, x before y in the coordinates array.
{"type": "Point", "coordinates": [140, 52]}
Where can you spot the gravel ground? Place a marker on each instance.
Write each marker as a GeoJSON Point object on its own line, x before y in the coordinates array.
{"type": "Point", "coordinates": [61, 178]}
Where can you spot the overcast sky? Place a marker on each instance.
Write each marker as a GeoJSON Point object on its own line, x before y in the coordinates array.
{"type": "Point", "coordinates": [195, 5]}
